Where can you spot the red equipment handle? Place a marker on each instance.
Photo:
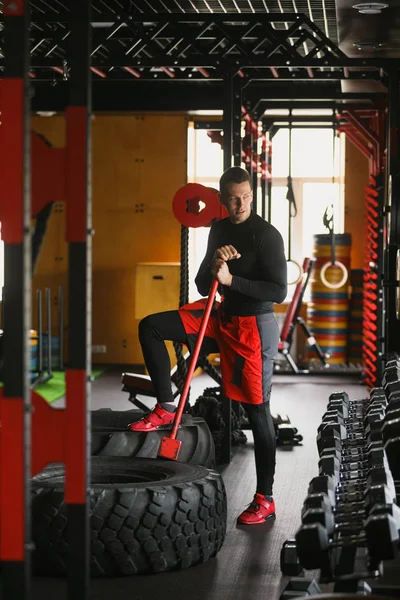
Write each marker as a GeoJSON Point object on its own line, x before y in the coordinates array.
{"type": "Point", "coordinates": [294, 304]}
{"type": "Point", "coordinates": [195, 356]}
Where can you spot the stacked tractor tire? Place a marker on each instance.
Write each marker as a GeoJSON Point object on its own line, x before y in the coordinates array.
{"type": "Point", "coordinates": [350, 519]}
{"type": "Point", "coordinates": [147, 515]}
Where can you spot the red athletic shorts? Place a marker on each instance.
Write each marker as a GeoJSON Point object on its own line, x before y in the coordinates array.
{"type": "Point", "coordinates": [247, 345]}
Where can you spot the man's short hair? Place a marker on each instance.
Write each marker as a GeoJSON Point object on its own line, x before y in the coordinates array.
{"type": "Point", "coordinates": [232, 175]}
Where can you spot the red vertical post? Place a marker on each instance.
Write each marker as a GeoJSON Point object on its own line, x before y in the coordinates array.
{"type": "Point", "coordinates": [15, 210]}
{"type": "Point", "coordinates": [78, 234]}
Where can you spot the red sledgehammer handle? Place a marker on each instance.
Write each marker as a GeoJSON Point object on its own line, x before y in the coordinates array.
{"type": "Point", "coordinates": [193, 361]}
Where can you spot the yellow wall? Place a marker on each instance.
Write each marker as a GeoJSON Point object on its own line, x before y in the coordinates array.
{"type": "Point", "coordinates": [355, 181]}
{"type": "Point", "coordinates": [138, 162]}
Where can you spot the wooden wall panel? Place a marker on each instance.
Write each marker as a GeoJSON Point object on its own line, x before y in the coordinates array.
{"type": "Point", "coordinates": [139, 161]}
{"type": "Point", "coordinates": [355, 181]}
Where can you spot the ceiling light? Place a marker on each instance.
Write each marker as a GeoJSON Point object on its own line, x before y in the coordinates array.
{"type": "Point", "coordinates": [370, 8]}
{"type": "Point", "coordinates": [369, 45]}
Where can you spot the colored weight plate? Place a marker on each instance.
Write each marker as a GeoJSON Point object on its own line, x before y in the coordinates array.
{"type": "Point", "coordinates": [326, 255]}
{"type": "Point", "coordinates": [331, 304]}
{"type": "Point", "coordinates": [327, 314]}
{"type": "Point", "coordinates": [333, 344]}
{"type": "Point", "coordinates": [328, 295]}
{"type": "Point", "coordinates": [324, 239]}
{"type": "Point", "coordinates": [320, 286]}
{"type": "Point", "coordinates": [340, 321]}
{"type": "Point", "coordinates": [187, 208]}
{"type": "Point", "coordinates": [326, 339]}
{"type": "Point", "coordinates": [324, 332]}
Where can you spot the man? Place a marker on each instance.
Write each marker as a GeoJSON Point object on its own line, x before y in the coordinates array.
{"type": "Point", "coordinates": [246, 255]}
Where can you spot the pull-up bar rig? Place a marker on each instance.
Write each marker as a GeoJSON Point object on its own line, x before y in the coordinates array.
{"type": "Point", "coordinates": [32, 433]}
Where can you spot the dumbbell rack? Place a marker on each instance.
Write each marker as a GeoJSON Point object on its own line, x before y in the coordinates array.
{"type": "Point", "coordinates": [350, 518]}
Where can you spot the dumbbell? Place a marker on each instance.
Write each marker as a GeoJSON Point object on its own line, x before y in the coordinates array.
{"type": "Point", "coordinates": [391, 439]}
{"type": "Point", "coordinates": [331, 434]}
{"type": "Point", "coordinates": [392, 358]}
{"type": "Point", "coordinates": [350, 455]}
{"type": "Point", "coordinates": [394, 401]}
{"type": "Point", "coordinates": [368, 495]}
{"type": "Point", "coordinates": [390, 428]}
{"type": "Point", "coordinates": [361, 407]}
{"type": "Point", "coordinates": [373, 476]}
{"type": "Point", "coordinates": [381, 535]}
{"type": "Point", "coordinates": [392, 389]}
{"type": "Point", "coordinates": [357, 411]}
{"type": "Point", "coordinates": [391, 374]}
{"type": "Point", "coordinates": [372, 457]}
{"type": "Point", "coordinates": [392, 413]}
{"type": "Point", "coordinates": [375, 412]}
{"type": "Point", "coordinates": [289, 560]}
{"type": "Point", "coordinates": [382, 528]}
{"type": "Point", "coordinates": [376, 405]}
{"type": "Point", "coordinates": [392, 449]}
{"type": "Point", "coordinates": [374, 471]}
{"type": "Point", "coordinates": [333, 416]}
{"type": "Point", "coordinates": [316, 508]}
{"type": "Point", "coordinates": [356, 426]}
{"type": "Point", "coordinates": [346, 452]}
{"type": "Point", "coordinates": [358, 506]}
{"type": "Point", "coordinates": [343, 399]}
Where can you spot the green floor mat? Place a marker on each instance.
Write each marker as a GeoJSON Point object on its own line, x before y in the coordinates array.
{"type": "Point", "coordinates": [55, 388]}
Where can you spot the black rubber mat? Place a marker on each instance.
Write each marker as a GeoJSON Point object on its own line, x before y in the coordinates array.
{"type": "Point", "coordinates": [248, 564]}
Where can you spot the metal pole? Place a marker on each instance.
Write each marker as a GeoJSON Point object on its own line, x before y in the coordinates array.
{"type": "Point", "coordinates": [392, 323]}
{"type": "Point", "coordinates": [271, 132]}
{"type": "Point", "coordinates": [15, 398]}
{"type": "Point", "coordinates": [78, 234]}
{"type": "Point", "coordinates": [40, 332]}
{"type": "Point", "coordinates": [254, 163]}
{"type": "Point", "coordinates": [237, 122]}
{"type": "Point", "coordinates": [263, 162]}
{"type": "Point", "coordinates": [228, 108]}
{"type": "Point", "coordinates": [228, 144]}
{"type": "Point", "coordinates": [48, 309]}
{"type": "Point", "coordinates": [61, 324]}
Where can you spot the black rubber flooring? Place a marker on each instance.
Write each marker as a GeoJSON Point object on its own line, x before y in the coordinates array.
{"type": "Point", "coordinates": [248, 565]}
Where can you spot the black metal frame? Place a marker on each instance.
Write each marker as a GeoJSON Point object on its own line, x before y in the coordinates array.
{"type": "Point", "coordinates": [214, 41]}
{"type": "Point", "coordinates": [79, 232]}
{"type": "Point", "coordinates": [229, 51]}
{"type": "Point", "coordinates": [15, 402]}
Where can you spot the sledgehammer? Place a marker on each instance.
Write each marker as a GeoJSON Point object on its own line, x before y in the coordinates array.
{"type": "Point", "coordinates": [170, 446]}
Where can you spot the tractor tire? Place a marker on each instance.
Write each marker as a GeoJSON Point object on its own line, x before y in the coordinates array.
{"type": "Point", "coordinates": [111, 437]}
{"type": "Point", "coordinates": [146, 516]}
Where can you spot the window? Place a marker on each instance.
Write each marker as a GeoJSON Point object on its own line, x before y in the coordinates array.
{"type": "Point", "coordinates": [312, 153]}
{"type": "Point", "coordinates": [205, 166]}
{"type": "Point", "coordinates": [317, 184]}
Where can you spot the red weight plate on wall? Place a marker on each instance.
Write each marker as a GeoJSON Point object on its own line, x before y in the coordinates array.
{"type": "Point", "coordinates": [187, 205]}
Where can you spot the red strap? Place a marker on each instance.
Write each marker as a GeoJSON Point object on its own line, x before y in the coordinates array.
{"type": "Point", "coordinates": [262, 501]}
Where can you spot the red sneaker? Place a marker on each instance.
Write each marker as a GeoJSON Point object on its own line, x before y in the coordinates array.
{"type": "Point", "coordinates": [159, 417]}
{"type": "Point", "coordinates": [259, 511]}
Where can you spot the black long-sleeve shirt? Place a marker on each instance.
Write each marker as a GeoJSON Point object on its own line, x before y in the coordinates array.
{"type": "Point", "coordinates": [259, 276]}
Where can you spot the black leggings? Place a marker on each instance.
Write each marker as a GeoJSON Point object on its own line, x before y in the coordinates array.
{"type": "Point", "coordinates": [153, 331]}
